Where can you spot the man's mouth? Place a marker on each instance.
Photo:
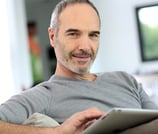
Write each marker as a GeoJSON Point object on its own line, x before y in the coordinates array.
{"type": "Point", "coordinates": [82, 57]}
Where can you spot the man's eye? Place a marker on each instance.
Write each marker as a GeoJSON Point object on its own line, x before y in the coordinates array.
{"type": "Point", "coordinates": [94, 35]}
{"type": "Point", "coordinates": [73, 34]}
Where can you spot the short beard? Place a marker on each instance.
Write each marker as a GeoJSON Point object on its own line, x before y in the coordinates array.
{"type": "Point", "coordinates": [81, 53]}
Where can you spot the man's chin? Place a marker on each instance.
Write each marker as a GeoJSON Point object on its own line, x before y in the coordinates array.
{"type": "Point", "coordinates": [81, 71]}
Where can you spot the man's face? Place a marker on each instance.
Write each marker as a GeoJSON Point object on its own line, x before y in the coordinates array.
{"type": "Point", "coordinates": [77, 40]}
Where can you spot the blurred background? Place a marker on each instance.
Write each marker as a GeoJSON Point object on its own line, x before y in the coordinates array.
{"type": "Point", "coordinates": [120, 43]}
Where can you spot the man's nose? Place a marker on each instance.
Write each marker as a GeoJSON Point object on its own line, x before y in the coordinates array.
{"type": "Point", "coordinates": [84, 43]}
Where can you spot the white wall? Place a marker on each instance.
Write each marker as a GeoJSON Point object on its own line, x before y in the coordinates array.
{"type": "Point", "coordinates": [15, 67]}
{"type": "Point", "coordinates": [119, 48]}
{"type": "Point", "coordinates": [19, 45]}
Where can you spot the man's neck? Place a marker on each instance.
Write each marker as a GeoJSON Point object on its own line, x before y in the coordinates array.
{"type": "Point", "coordinates": [70, 74]}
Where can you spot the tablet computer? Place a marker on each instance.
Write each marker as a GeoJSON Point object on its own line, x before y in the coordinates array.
{"type": "Point", "coordinates": [119, 119]}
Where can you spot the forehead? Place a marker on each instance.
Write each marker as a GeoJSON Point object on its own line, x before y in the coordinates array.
{"type": "Point", "coordinates": [79, 15]}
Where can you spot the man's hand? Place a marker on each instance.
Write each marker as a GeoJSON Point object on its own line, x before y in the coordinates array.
{"type": "Point", "coordinates": [78, 122]}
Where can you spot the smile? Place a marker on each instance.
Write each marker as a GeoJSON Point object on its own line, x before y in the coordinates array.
{"type": "Point", "coordinates": [82, 58]}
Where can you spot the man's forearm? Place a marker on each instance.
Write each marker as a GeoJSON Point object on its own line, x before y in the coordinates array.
{"type": "Point", "coordinates": [8, 128]}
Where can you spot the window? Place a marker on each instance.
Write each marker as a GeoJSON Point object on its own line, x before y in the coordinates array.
{"type": "Point", "coordinates": [147, 22]}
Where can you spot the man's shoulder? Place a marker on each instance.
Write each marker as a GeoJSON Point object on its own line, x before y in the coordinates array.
{"type": "Point", "coordinates": [116, 74]}
{"type": "Point", "coordinates": [120, 76]}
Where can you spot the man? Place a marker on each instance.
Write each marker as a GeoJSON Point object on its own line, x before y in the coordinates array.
{"type": "Point", "coordinates": [74, 34]}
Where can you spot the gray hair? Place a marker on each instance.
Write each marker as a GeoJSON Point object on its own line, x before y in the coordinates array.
{"type": "Point", "coordinates": [61, 6]}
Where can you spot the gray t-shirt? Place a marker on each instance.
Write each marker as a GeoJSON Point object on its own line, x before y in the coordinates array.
{"type": "Point", "coordinates": [60, 97]}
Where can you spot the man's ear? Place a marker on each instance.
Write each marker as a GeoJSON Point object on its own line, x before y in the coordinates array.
{"type": "Point", "coordinates": [51, 33]}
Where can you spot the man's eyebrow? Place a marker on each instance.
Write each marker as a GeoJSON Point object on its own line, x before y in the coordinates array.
{"type": "Point", "coordinates": [71, 30]}
{"type": "Point", "coordinates": [96, 32]}
{"type": "Point", "coordinates": [76, 30]}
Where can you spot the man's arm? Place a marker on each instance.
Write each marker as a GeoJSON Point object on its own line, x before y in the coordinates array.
{"type": "Point", "coordinates": [77, 123]}
{"type": "Point", "coordinates": [9, 128]}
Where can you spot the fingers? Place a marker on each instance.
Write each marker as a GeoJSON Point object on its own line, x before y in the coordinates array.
{"type": "Point", "coordinates": [85, 116]}
{"type": "Point", "coordinates": [89, 114]}
{"type": "Point", "coordinates": [80, 121]}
